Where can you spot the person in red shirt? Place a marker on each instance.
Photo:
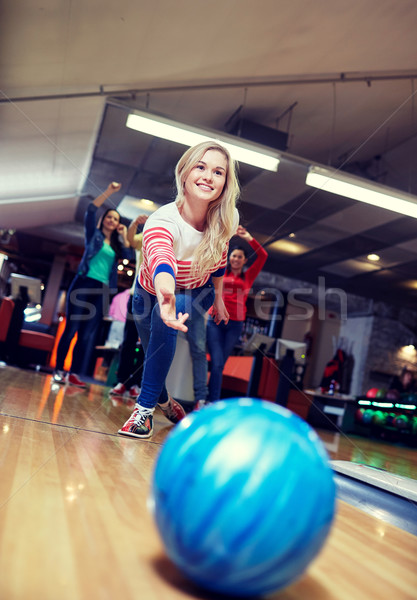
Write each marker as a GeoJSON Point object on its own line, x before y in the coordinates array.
{"type": "Point", "coordinates": [222, 336]}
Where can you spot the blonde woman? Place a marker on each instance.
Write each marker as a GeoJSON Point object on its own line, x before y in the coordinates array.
{"type": "Point", "coordinates": [185, 245]}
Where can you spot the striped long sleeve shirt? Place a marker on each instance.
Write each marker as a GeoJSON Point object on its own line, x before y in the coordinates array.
{"type": "Point", "coordinates": [169, 244]}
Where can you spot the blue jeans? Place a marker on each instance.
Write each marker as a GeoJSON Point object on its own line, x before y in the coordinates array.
{"type": "Point", "coordinates": [87, 301]}
{"type": "Point", "coordinates": [159, 341]}
{"type": "Point", "coordinates": [221, 339]}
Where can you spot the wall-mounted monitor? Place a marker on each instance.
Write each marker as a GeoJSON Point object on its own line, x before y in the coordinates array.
{"type": "Point", "coordinates": [299, 349]}
{"type": "Point", "coordinates": [257, 340]}
{"type": "Point", "coordinates": [32, 285]}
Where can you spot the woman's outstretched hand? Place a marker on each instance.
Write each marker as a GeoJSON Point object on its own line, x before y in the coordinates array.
{"type": "Point", "coordinates": [114, 186]}
{"type": "Point", "coordinates": [140, 220]}
{"type": "Point", "coordinates": [166, 301]}
{"type": "Point", "coordinates": [244, 233]}
{"type": "Point", "coordinates": [111, 189]}
{"type": "Point", "coordinates": [220, 312]}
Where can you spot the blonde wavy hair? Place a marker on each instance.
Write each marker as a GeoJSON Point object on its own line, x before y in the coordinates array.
{"type": "Point", "coordinates": [220, 224]}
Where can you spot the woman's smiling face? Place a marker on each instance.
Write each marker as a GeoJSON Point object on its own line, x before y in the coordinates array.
{"type": "Point", "coordinates": [237, 259]}
{"type": "Point", "coordinates": [206, 180]}
{"type": "Point", "coordinates": [111, 220]}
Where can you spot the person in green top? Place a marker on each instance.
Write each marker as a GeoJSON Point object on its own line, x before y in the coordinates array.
{"type": "Point", "coordinates": [129, 372]}
{"type": "Point", "coordinates": [105, 243]}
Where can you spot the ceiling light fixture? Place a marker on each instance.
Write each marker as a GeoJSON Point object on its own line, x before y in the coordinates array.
{"type": "Point", "coordinates": [240, 150]}
{"type": "Point", "coordinates": [373, 257]}
{"type": "Point", "coordinates": [288, 247]}
{"type": "Point", "coordinates": [362, 190]}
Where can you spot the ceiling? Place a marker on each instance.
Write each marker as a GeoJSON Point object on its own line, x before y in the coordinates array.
{"type": "Point", "coordinates": [337, 78]}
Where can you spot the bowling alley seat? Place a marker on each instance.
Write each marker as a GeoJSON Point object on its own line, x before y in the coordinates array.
{"type": "Point", "coordinates": [237, 373]}
{"type": "Point", "coordinates": [32, 344]}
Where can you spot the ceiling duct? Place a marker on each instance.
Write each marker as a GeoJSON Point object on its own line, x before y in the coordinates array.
{"type": "Point", "coordinates": [249, 130]}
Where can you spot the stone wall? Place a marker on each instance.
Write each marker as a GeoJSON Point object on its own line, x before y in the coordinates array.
{"type": "Point", "coordinates": [318, 295]}
{"type": "Point", "coordinates": [388, 353]}
{"type": "Point", "coordinates": [376, 333]}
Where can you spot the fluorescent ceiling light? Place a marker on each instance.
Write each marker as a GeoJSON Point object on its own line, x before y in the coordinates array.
{"type": "Point", "coordinates": [247, 152]}
{"type": "Point", "coordinates": [362, 190]}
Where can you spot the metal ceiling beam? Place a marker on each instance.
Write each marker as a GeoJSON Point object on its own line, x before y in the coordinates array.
{"type": "Point", "coordinates": [306, 80]}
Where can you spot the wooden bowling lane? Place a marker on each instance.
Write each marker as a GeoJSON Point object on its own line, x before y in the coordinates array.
{"type": "Point", "coordinates": [395, 458]}
{"type": "Point", "coordinates": [74, 521]}
{"type": "Point", "coordinates": [30, 395]}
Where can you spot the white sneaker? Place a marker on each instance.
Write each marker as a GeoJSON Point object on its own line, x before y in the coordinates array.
{"type": "Point", "coordinates": [118, 390]}
{"type": "Point", "coordinates": [201, 404]}
{"type": "Point", "coordinates": [59, 376]}
{"type": "Point", "coordinates": [134, 392]}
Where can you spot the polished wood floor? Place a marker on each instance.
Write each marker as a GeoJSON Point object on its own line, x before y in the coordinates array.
{"type": "Point", "coordinates": [74, 523]}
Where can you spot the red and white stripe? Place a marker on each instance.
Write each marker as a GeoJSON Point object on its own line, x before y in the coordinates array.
{"type": "Point", "coordinates": [158, 249]}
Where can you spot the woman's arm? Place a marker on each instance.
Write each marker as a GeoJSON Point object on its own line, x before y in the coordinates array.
{"type": "Point", "coordinates": [244, 234]}
{"type": "Point", "coordinates": [253, 271]}
{"type": "Point", "coordinates": [111, 189]}
{"type": "Point", "coordinates": [158, 249]}
{"type": "Point", "coordinates": [219, 310]}
{"type": "Point", "coordinates": [165, 292]}
{"type": "Point", "coordinates": [134, 238]}
{"type": "Point", "coordinates": [122, 231]}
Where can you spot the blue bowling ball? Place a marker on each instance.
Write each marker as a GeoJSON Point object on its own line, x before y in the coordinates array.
{"type": "Point", "coordinates": [243, 496]}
